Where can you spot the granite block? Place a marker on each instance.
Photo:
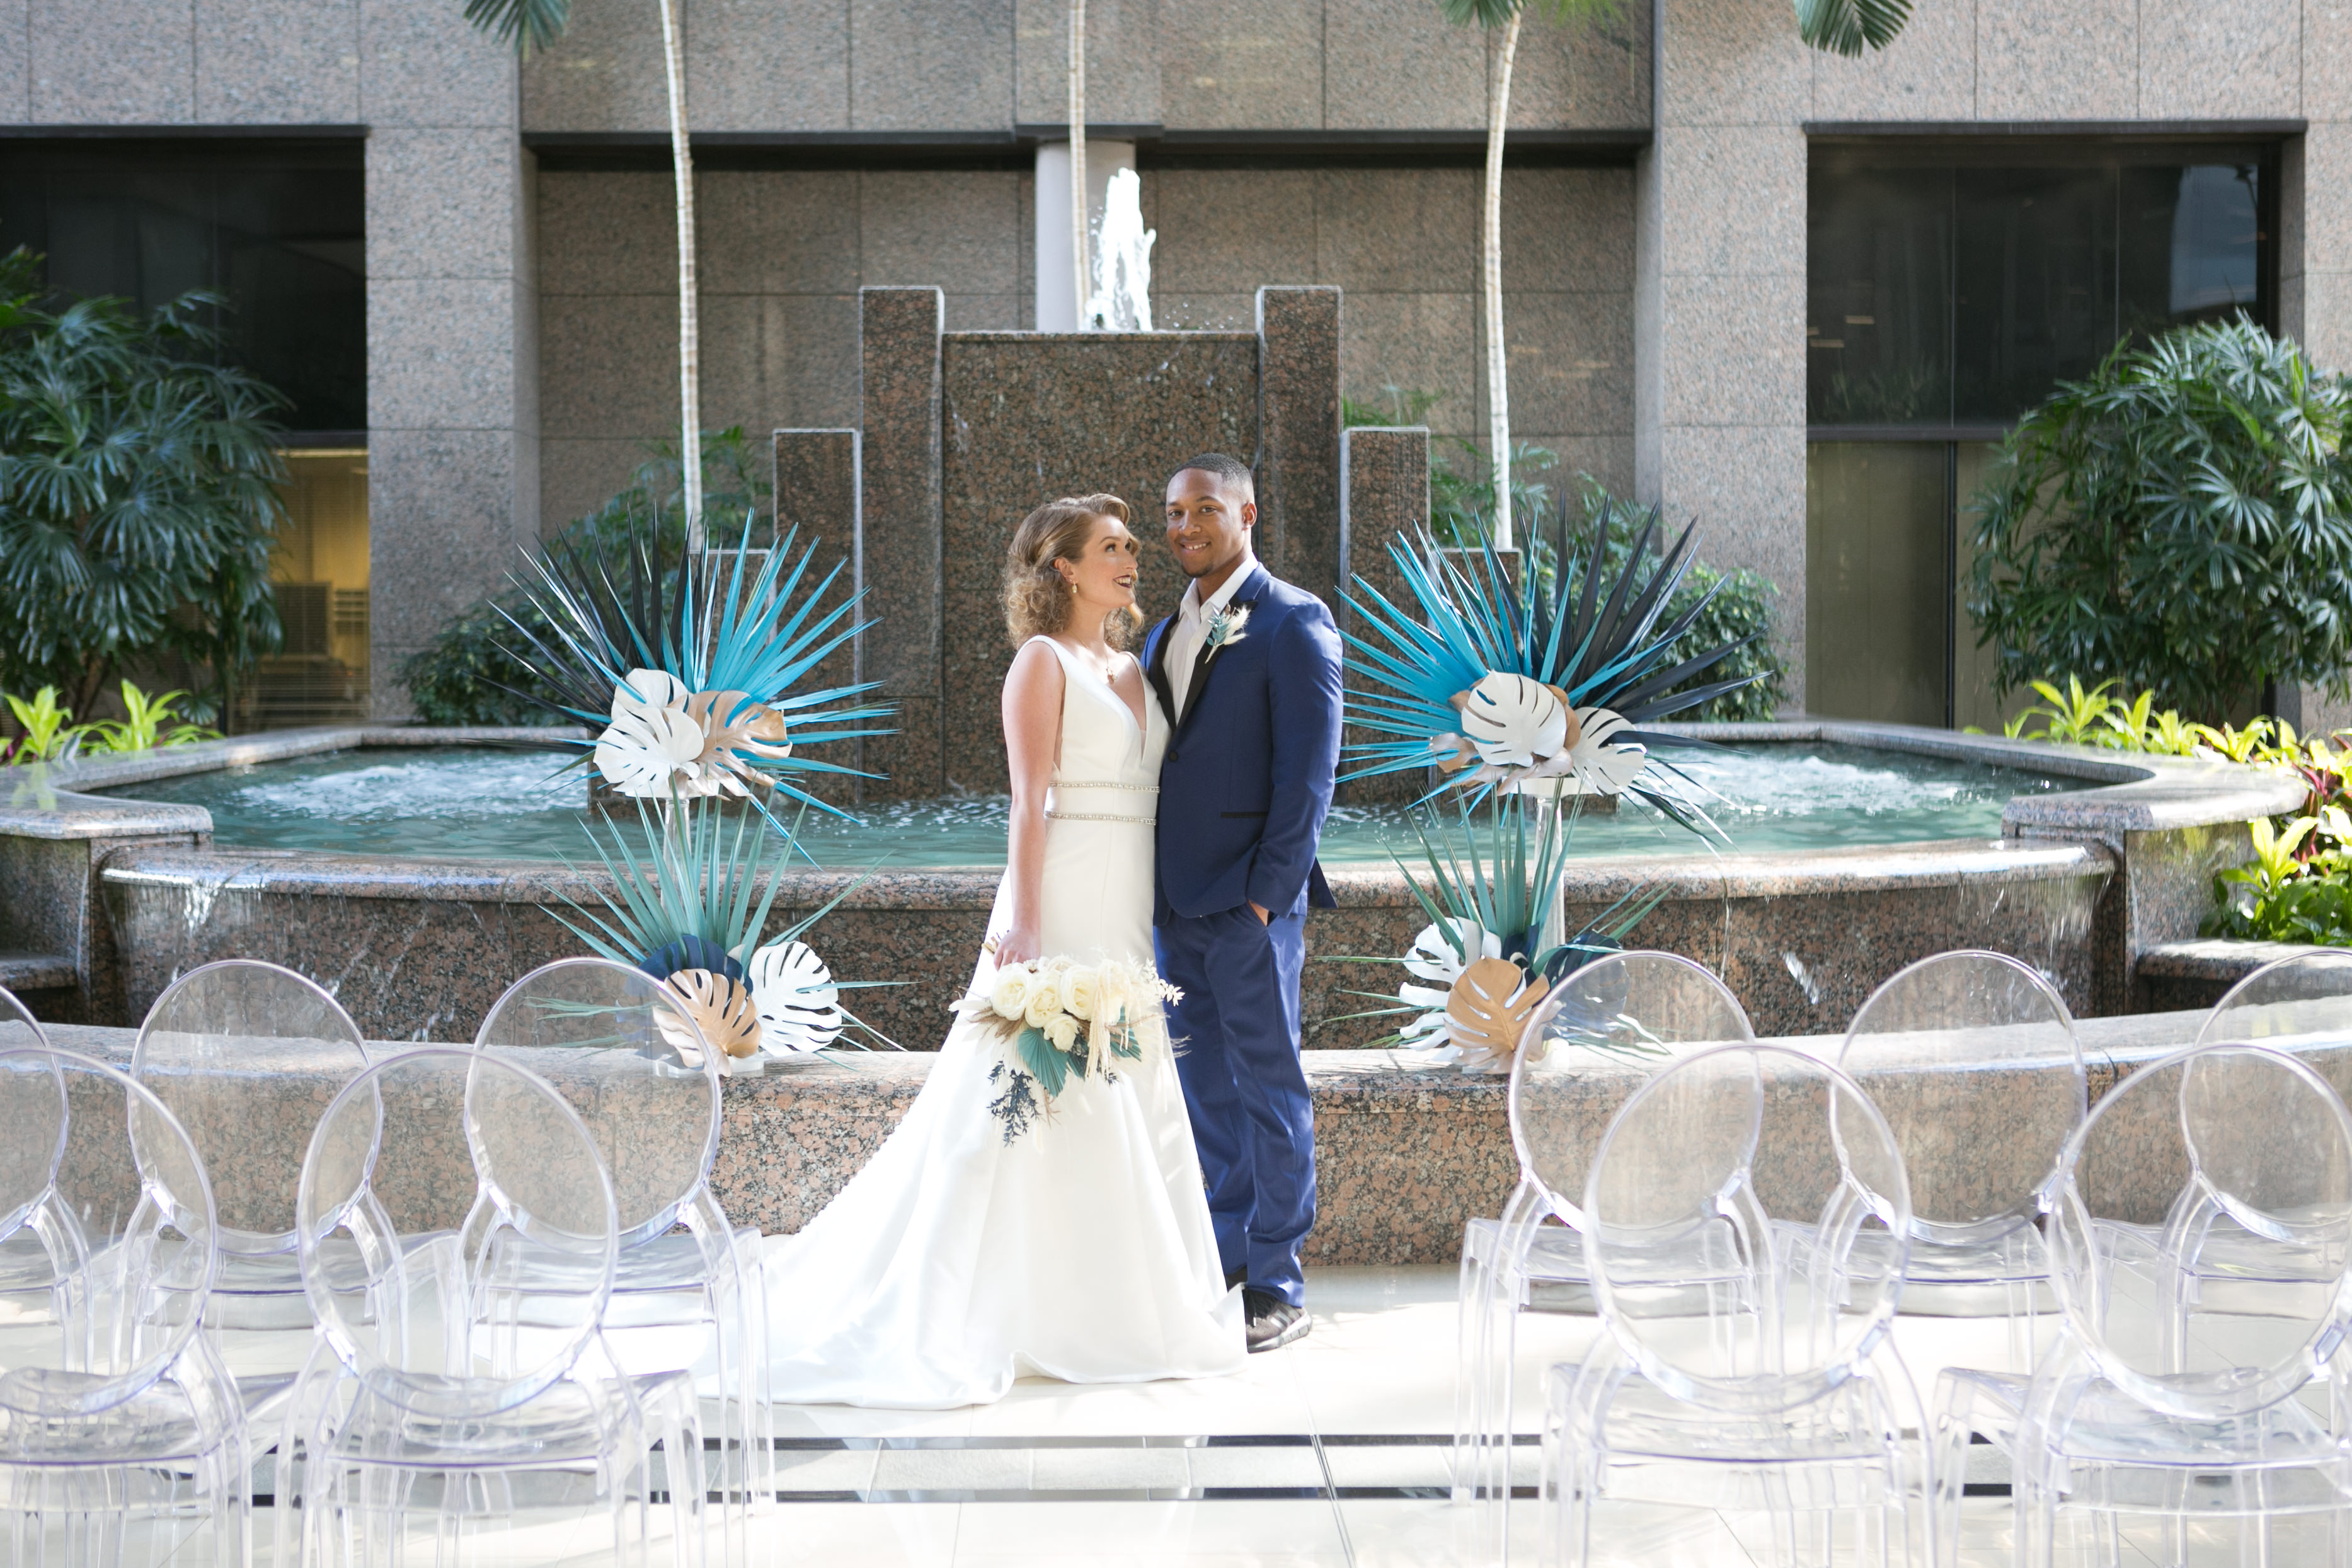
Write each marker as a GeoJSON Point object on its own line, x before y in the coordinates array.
{"type": "Point", "coordinates": [447, 527]}
{"type": "Point", "coordinates": [424, 64]}
{"type": "Point", "coordinates": [442, 354]}
{"type": "Point", "coordinates": [1745, 486]}
{"type": "Point", "coordinates": [2326, 76]}
{"type": "Point", "coordinates": [1203, 312]}
{"type": "Point", "coordinates": [899, 559]}
{"type": "Point", "coordinates": [987, 312]}
{"type": "Point", "coordinates": [2320, 235]}
{"type": "Point", "coordinates": [1298, 436]}
{"type": "Point", "coordinates": [1123, 48]}
{"type": "Point", "coordinates": [608, 366]}
{"type": "Point", "coordinates": [1581, 74]}
{"type": "Point", "coordinates": [944, 65]}
{"type": "Point", "coordinates": [772, 231]}
{"type": "Point", "coordinates": [955, 230]}
{"type": "Point", "coordinates": [1730, 62]}
{"type": "Point", "coordinates": [1419, 342]}
{"type": "Point", "coordinates": [1383, 496]}
{"type": "Point", "coordinates": [278, 62]}
{"type": "Point", "coordinates": [606, 73]}
{"type": "Point", "coordinates": [1243, 65]}
{"type": "Point", "coordinates": [1732, 349]}
{"type": "Point", "coordinates": [808, 355]}
{"type": "Point", "coordinates": [113, 62]}
{"type": "Point", "coordinates": [16, 61]}
{"type": "Point", "coordinates": [905, 765]}
{"type": "Point", "coordinates": [616, 233]}
{"type": "Point", "coordinates": [734, 384]}
{"type": "Point", "coordinates": [1738, 199]}
{"type": "Point", "coordinates": [444, 203]}
{"type": "Point", "coordinates": [2174, 976]}
{"type": "Point", "coordinates": [1397, 229]}
{"type": "Point", "coordinates": [1607, 459]}
{"type": "Point", "coordinates": [2195, 66]}
{"type": "Point", "coordinates": [2073, 60]}
{"type": "Point", "coordinates": [1226, 232]}
{"type": "Point", "coordinates": [578, 476]}
{"type": "Point", "coordinates": [1571, 360]}
{"type": "Point", "coordinates": [816, 492]}
{"type": "Point", "coordinates": [768, 65]}
{"type": "Point", "coordinates": [1929, 72]}
{"type": "Point", "coordinates": [1400, 65]}
{"type": "Point", "coordinates": [2327, 299]}
{"type": "Point", "coordinates": [1568, 229]}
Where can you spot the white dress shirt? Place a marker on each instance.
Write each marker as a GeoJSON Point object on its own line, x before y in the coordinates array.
{"type": "Point", "coordinates": [1191, 625]}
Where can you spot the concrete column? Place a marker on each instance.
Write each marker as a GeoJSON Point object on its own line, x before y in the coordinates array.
{"type": "Point", "coordinates": [1719, 295]}
{"type": "Point", "coordinates": [899, 532]}
{"type": "Point", "coordinates": [1298, 437]}
{"type": "Point", "coordinates": [453, 317]}
{"type": "Point", "coordinates": [1383, 492]}
{"type": "Point", "coordinates": [1057, 303]}
{"type": "Point", "coordinates": [817, 500]}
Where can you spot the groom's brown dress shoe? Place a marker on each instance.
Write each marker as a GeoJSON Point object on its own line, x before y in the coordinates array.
{"type": "Point", "coordinates": [1270, 1322]}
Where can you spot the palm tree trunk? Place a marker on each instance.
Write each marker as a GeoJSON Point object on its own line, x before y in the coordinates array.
{"type": "Point", "coordinates": [1078, 158]}
{"type": "Point", "coordinates": [689, 337]}
{"type": "Point", "coordinates": [1498, 370]}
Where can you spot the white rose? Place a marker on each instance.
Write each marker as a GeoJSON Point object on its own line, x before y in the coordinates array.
{"type": "Point", "coordinates": [1044, 1002]}
{"type": "Point", "coordinates": [1063, 1030]}
{"type": "Point", "coordinates": [1078, 990]}
{"type": "Point", "coordinates": [1010, 995]}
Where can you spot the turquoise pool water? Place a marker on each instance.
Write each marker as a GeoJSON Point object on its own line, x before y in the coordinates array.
{"type": "Point", "coordinates": [480, 803]}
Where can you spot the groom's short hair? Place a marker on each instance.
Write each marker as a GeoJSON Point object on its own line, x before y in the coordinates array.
{"type": "Point", "coordinates": [1231, 471]}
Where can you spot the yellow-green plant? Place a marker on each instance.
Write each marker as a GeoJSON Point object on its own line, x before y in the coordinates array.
{"type": "Point", "coordinates": [2074, 717]}
{"type": "Point", "coordinates": [146, 724]}
{"type": "Point", "coordinates": [48, 734]}
{"type": "Point", "coordinates": [2258, 742]}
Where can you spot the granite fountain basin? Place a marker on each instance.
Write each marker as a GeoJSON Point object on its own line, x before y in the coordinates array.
{"type": "Point", "coordinates": [111, 895]}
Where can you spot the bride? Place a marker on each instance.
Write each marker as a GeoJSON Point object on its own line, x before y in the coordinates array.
{"type": "Point", "coordinates": [978, 1247]}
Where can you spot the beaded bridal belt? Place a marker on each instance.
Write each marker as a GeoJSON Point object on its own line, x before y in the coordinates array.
{"type": "Point", "coordinates": [1053, 815]}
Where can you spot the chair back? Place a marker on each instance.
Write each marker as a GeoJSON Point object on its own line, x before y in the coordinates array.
{"type": "Point", "coordinates": [1630, 1011]}
{"type": "Point", "coordinates": [1971, 1057]}
{"type": "Point", "coordinates": [244, 1053]}
{"type": "Point", "coordinates": [18, 1024]}
{"type": "Point", "coordinates": [1773, 1161]}
{"type": "Point", "coordinates": [479, 1320]}
{"type": "Point", "coordinates": [653, 1103]}
{"type": "Point", "coordinates": [2202, 1239]}
{"type": "Point", "coordinates": [111, 1291]}
{"type": "Point", "coordinates": [2306, 998]}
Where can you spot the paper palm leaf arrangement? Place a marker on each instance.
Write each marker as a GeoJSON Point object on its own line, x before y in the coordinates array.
{"type": "Point", "coordinates": [692, 693]}
{"type": "Point", "coordinates": [1534, 689]}
{"type": "Point", "coordinates": [1476, 973]}
{"type": "Point", "coordinates": [692, 920]}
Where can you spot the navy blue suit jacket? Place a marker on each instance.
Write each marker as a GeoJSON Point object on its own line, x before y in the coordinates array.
{"type": "Point", "coordinates": [1246, 781]}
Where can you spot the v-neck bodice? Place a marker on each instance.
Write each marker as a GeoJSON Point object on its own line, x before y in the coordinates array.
{"type": "Point", "coordinates": [1102, 744]}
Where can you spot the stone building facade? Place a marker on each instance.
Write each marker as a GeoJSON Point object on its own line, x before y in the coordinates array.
{"type": "Point", "coordinates": [518, 258]}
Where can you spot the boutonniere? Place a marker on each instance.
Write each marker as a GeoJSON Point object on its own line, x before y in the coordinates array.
{"type": "Point", "coordinates": [1225, 626]}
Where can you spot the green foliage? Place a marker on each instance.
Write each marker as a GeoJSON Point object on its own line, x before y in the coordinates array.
{"type": "Point", "coordinates": [2181, 520]}
{"type": "Point", "coordinates": [1460, 479]}
{"type": "Point", "coordinates": [2297, 888]}
{"type": "Point", "coordinates": [47, 731]}
{"type": "Point", "coordinates": [528, 24]}
{"type": "Point", "coordinates": [1493, 14]}
{"type": "Point", "coordinates": [468, 674]}
{"type": "Point", "coordinates": [1849, 26]}
{"type": "Point", "coordinates": [146, 725]}
{"type": "Point", "coordinates": [138, 498]}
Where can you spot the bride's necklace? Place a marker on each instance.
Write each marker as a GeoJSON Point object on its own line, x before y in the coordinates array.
{"type": "Point", "coordinates": [1109, 674]}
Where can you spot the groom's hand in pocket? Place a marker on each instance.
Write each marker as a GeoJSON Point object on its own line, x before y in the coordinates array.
{"type": "Point", "coordinates": [1262, 912]}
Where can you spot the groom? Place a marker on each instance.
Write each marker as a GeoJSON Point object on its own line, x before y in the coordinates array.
{"type": "Point", "coordinates": [1248, 672]}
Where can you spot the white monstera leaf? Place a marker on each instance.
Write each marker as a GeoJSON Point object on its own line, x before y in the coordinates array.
{"type": "Point", "coordinates": [799, 1003]}
{"type": "Point", "coordinates": [1434, 958]}
{"type": "Point", "coordinates": [652, 740]}
{"type": "Point", "coordinates": [1600, 768]}
{"type": "Point", "coordinates": [1512, 721]}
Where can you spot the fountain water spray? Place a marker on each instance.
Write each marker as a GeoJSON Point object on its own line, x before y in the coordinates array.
{"type": "Point", "coordinates": [1122, 261]}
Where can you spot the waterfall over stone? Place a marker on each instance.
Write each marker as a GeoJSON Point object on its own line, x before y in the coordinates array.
{"type": "Point", "coordinates": [1122, 260]}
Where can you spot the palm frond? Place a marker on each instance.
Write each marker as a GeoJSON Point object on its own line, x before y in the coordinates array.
{"type": "Point", "coordinates": [526, 25]}
{"type": "Point", "coordinates": [1850, 26]}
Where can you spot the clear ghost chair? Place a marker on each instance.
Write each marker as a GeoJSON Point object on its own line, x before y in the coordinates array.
{"type": "Point", "coordinates": [123, 1437]}
{"type": "Point", "coordinates": [246, 1054]}
{"type": "Point", "coordinates": [22, 1255]}
{"type": "Point", "coordinates": [1971, 1057]}
{"type": "Point", "coordinates": [687, 1287]}
{"type": "Point", "coordinates": [2197, 1398]}
{"type": "Point", "coordinates": [1601, 1031]}
{"type": "Point", "coordinates": [1777, 1390]}
{"type": "Point", "coordinates": [455, 1385]}
{"type": "Point", "coordinates": [2305, 997]}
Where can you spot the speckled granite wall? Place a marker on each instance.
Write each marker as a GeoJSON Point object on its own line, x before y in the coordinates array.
{"type": "Point", "coordinates": [1299, 462]}
{"type": "Point", "coordinates": [1383, 492]}
{"type": "Point", "coordinates": [817, 492]}
{"type": "Point", "coordinates": [899, 515]}
{"type": "Point", "coordinates": [1031, 416]}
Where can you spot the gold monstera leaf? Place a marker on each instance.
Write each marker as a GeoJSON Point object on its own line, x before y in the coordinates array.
{"type": "Point", "coordinates": [721, 1007]}
{"type": "Point", "coordinates": [1489, 1007]}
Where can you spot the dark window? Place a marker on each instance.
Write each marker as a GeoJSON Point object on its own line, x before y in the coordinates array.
{"type": "Point", "coordinates": [277, 228]}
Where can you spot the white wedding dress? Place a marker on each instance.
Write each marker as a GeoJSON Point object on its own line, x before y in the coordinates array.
{"type": "Point", "coordinates": [961, 1258]}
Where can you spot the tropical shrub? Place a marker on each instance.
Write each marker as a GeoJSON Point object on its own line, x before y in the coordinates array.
{"type": "Point", "coordinates": [138, 494]}
{"type": "Point", "coordinates": [469, 673]}
{"type": "Point", "coordinates": [50, 734]}
{"type": "Point", "coordinates": [2181, 522]}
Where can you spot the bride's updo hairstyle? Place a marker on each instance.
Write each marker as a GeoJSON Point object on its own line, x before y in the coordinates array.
{"type": "Point", "coordinates": [1037, 601]}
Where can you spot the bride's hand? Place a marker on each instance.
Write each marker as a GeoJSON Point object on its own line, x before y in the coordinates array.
{"type": "Point", "coordinates": [1016, 945]}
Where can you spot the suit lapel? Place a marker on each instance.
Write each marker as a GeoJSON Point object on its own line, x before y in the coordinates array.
{"type": "Point", "coordinates": [1156, 671]}
{"type": "Point", "coordinates": [1244, 598]}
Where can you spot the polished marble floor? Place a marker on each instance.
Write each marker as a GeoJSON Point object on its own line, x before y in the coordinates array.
{"type": "Point", "coordinates": [1333, 1452]}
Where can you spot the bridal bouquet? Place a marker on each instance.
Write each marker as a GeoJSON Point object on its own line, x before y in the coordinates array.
{"type": "Point", "coordinates": [1060, 1019]}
